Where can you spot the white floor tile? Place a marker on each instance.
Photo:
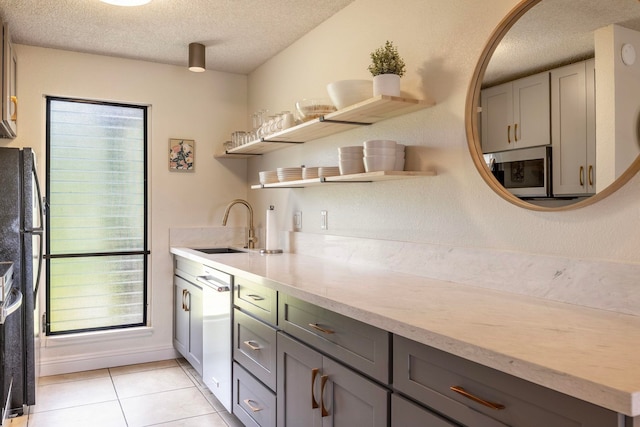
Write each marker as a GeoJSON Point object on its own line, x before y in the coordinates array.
{"type": "Point", "coordinates": [76, 393]}
{"type": "Point", "coordinates": [158, 380]}
{"type": "Point", "coordinates": [166, 406]}
{"type": "Point", "coordinates": [141, 367]}
{"type": "Point", "coordinates": [107, 414]}
{"type": "Point", "coordinates": [211, 420]}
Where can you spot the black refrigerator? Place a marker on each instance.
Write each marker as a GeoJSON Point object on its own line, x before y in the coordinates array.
{"type": "Point", "coordinates": [21, 243]}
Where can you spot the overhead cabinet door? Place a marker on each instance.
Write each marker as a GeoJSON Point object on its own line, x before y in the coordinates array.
{"type": "Point", "coordinates": [516, 114]}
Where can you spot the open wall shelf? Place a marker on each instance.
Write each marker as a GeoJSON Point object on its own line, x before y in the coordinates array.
{"type": "Point", "coordinates": [363, 113]}
{"type": "Point", "coordinates": [358, 177]}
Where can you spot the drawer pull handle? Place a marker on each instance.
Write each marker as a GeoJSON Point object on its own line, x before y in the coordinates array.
{"type": "Point", "coordinates": [255, 297]}
{"type": "Point", "coordinates": [321, 329]}
{"type": "Point", "coordinates": [252, 345]}
{"type": "Point", "coordinates": [323, 383]}
{"type": "Point", "coordinates": [184, 306]}
{"type": "Point", "coordinates": [314, 374]}
{"type": "Point", "coordinates": [254, 407]}
{"type": "Point", "coordinates": [465, 393]}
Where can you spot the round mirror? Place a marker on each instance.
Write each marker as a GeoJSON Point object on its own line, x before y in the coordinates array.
{"type": "Point", "coordinates": [553, 108]}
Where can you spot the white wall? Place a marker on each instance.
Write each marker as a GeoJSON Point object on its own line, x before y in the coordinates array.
{"type": "Point", "coordinates": [205, 107]}
{"type": "Point", "coordinates": [440, 42]}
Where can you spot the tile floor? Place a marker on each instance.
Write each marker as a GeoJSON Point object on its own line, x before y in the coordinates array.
{"type": "Point", "coordinates": [168, 393]}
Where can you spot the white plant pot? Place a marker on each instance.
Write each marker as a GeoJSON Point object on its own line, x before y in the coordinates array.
{"type": "Point", "coordinates": [386, 84]}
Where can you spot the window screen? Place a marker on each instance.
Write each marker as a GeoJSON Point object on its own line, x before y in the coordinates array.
{"type": "Point", "coordinates": [96, 215]}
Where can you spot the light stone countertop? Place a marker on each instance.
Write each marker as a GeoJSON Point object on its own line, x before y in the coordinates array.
{"type": "Point", "coordinates": [587, 353]}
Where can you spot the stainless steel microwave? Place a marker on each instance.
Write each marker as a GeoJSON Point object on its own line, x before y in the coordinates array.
{"type": "Point", "coordinates": [524, 172]}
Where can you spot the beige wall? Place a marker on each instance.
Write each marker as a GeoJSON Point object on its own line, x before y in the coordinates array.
{"type": "Point", "coordinates": [200, 106]}
{"type": "Point", "coordinates": [441, 42]}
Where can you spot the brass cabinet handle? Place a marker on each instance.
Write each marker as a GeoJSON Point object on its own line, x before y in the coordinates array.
{"type": "Point", "coordinates": [465, 393]}
{"type": "Point", "coordinates": [252, 345]}
{"type": "Point", "coordinates": [187, 303]}
{"type": "Point", "coordinates": [254, 407]}
{"type": "Point", "coordinates": [14, 101]}
{"type": "Point", "coordinates": [323, 383]}
{"type": "Point", "coordinates": [581, 175]}
{"type": "Point", "coordinates": [515, 132]}
{"type": "Point", "coordinates": [590, 174]}
{"type": "Point", "coordinates": [314, 374]}
{"type": "Point", "coordinates": [255, 297]}
{"type": "Point", "coordinates": [184, 304]}
{"type": "Point", "coordinates": [509, 134]}
{"type": "Point", "coordinates": [321, 329]}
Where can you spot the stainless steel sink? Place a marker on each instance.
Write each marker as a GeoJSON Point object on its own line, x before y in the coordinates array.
{"type": "Point", "coordinates": [218, 250]}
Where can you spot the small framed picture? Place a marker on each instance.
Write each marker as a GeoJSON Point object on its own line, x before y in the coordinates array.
{"type": "Point", "coordinates": [182, 154]}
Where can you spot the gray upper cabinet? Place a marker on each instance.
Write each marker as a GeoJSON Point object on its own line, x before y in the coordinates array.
{"type": "Point", "coordinates": [474, 395]}
{"type": "Point", "coordinates": [314, 390]}
{"type": "Point", "coordinates": [9, 62]}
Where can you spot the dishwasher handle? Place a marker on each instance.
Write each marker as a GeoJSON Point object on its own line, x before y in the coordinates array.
{"type": "Point", "coordinates": [209, 281]}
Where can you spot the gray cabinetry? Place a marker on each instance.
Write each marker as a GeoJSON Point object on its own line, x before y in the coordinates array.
{"type": "Point", "coordinates": [474, 395]}
{"type": "Point", "coordinates": [357, 344]}
{"type": "Point", "coordinates": [314, 390]}
{"type": "Point", "coordinates": [187, 322]}
{"type": "Point", "coordinates": [257, 300]}
{"type": "Point", "coordinates": [254, 347]}
{"type": "Point", "coordinates": [253, 403]}
{"type": "Point", "coordinates": [407, 414]}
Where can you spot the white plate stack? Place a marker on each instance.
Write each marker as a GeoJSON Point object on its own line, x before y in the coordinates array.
{"type": "Point", "coordinates": [326, 171]}
{"type": "Point", "coordinates": [351, 159]}
{"type": "Point", "coordinates": [268, 177]}
{"type": "Point", "coordinates": [380, 155]}
{"type": "Point", "coordinates": [289, 174]}
{"type": "Point", "coordinates": [309, 172]}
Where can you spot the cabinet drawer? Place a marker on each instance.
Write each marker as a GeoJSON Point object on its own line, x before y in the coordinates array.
{"type": "Point", "coordinates": [359, 345]}
{"type": "Point", "coordinates": [427, 375]}
{"type": "Point", "coordinates": [256, 299]}
{"type": "Point", "coordinates": [254, 347]}
{"type": "Point", "coordinates": [407, 414]}
{"type": "Point", "coordinates": [253, 403]}
{"type": "Point", "coordinates": [188, 269]}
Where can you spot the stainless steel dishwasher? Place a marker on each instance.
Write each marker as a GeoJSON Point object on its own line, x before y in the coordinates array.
{"type": "Point", "coordinates": [216, 333]}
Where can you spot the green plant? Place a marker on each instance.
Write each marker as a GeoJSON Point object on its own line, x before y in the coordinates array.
{"type": "Point", "coordinates": [386, 60]}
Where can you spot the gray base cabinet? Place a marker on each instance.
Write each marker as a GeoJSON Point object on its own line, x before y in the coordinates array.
{"type": "Point", "coordinates": [407, 414]}
{"type": "Point", "coordinates": [474, 395]}
{"type": "Point", "coordinates": [314, 390]}
{"type": "Point", "coordinates": [187, 322]}
{"type": "Point", "coordinates": [253, 403]}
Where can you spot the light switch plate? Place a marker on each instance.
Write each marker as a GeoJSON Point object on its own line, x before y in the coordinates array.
{"type": "Point", "coordinates": [324, 225]}
{"type": "Point", "coordinates": [297, 220]}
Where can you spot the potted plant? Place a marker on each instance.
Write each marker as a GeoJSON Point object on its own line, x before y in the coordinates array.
{"type": "Point", "coordinates": [386, 68]}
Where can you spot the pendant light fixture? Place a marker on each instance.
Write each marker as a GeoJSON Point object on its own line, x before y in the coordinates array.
{"type": "Point", "coordinates": [196, 57]}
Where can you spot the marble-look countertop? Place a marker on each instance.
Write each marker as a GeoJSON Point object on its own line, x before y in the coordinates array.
{"type": "Point", "coordinates": [587, 353]}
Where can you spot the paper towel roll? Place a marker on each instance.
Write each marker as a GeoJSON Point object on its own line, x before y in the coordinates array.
{"type": "Point", "coordinates": [271, 241]}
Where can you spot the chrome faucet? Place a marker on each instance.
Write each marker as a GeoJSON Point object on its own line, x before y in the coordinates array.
{"type": "Point", "coordinates": [251, 238]}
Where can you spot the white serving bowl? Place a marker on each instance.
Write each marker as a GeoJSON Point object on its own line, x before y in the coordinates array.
{"type": "Point", "coordinates": [379, 163]}
{"type": "Point", "coordinates": [380, 143]}
{"type": "Point", "coordinates": [350, 156]}
{"type": "Point", "coordinates": [348, 167]}
{"type": "Point", "coordinates": [352, 149]}
{"type": "Point", "coordinates": [268, 177]}
{"type": "Point", "coordinates": [344, 93]}
{"type": "Point", "coordinates": [379, 151]}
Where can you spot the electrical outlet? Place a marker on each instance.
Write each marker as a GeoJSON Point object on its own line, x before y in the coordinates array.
{"type": "Point", "coordinates": [297, 220]}
{"type": "Point", "coordinates": [324, 225]}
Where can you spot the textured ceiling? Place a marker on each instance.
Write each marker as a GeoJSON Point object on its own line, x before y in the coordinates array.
{"type": "Point", "coordinates": [557, 32]}
{"type": "Point", "coordinates": [239, 35]}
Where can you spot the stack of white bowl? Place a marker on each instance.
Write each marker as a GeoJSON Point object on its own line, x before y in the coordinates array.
{"type": "Point", "coordinates": [351, 159]}
{"type": "Point", "coordinates": [268, 177]}
{"type": "Point", "coordinates": [399, 157]}
{"type": "Point", "coordinates": [289, 174]}
{"type": "Point", "coordinates": [380, 155]}
{"type": "Point", "coordinates": [326, 171]}
{"type": "Point", "coordinates": [309, 172]}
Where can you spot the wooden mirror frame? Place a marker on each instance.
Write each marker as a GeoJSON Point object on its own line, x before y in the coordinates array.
{"type": "Point", "coordinates": [472, 128]}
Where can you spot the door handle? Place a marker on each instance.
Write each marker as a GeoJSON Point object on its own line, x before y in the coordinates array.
{"type": "Point", "coordinates": [252, 345]}
{"type": "Point", "coordinates": [581, 175]}
{"type": "Point", "coordinates": [252, 404]}
{"type": "Point", "coordinates": [465, 393]}
{"type": "Point", "coordinates": [515, 132]}
{"type": "Point", "coordinates": [314, 374]}
{"type": "Point", "coordinates": [509, 134]}
{"type": "Point", "coordinates": [590, 174]}
{"type": "Point", "coordinates": [323, 384]}
{"type": "Point", "coordinates": [14, 101]}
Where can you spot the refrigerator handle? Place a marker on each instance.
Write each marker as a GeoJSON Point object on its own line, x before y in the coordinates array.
{"type": "Point", "coordinates": [39, 230]}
